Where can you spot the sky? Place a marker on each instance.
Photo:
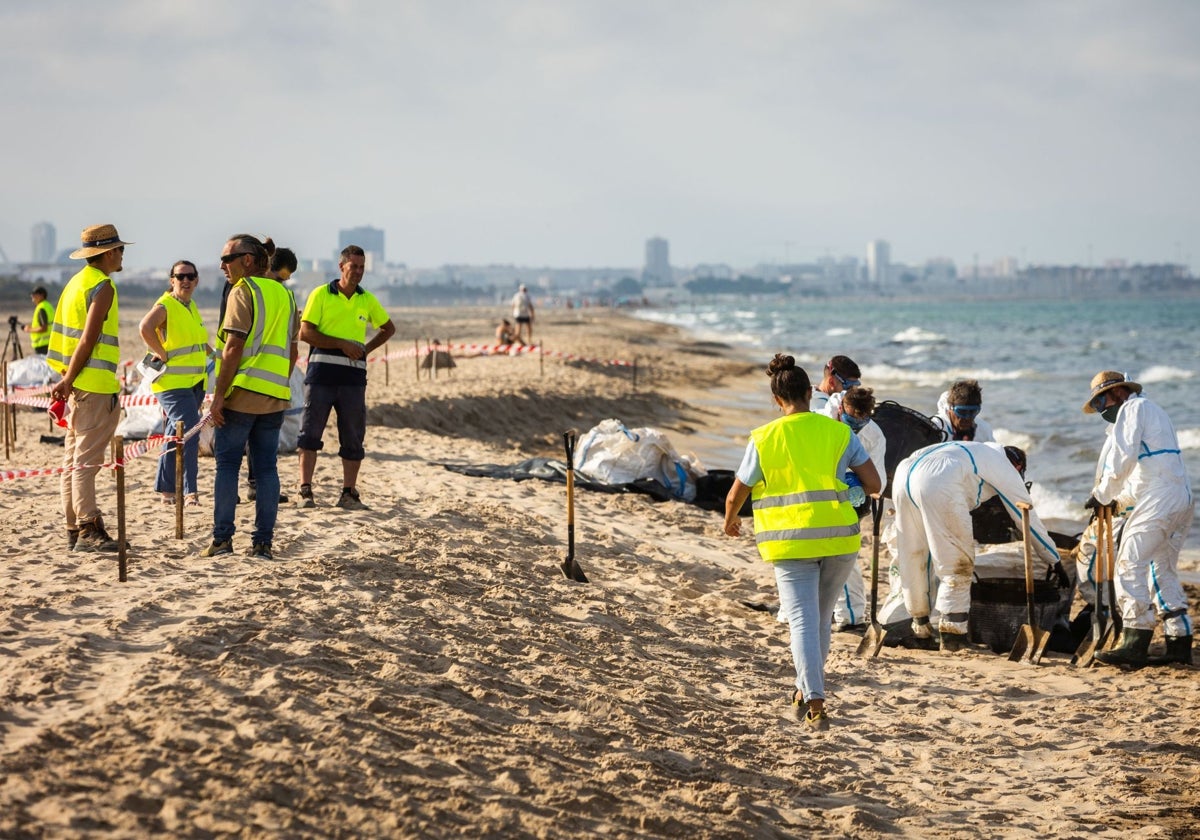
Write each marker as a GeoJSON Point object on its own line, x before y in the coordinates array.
{"type": "Point", "coordinates": [560, 133]}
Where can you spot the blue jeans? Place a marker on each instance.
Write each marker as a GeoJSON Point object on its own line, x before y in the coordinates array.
{"type": "Point", "coordinates": [261, 432]}
{"type": "Point", "coordinates": [808, 589]}
{"type": "Point", "coordinates": [180, 404]}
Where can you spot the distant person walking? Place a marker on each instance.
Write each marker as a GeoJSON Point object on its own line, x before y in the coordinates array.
{"type": "Point", "coordinates": [175, 334]}
{"type": "Point", "coordinates": [39, 326]}
{"type": "Point", "coordinates": [334, 324]}
{"type": "Point", "coordinates": [522, 310]}
{"type": "Point", "coordinates": [804, 523]}
{"type": "Point", "coordinates": [84, 349]}
{"type": "Point", "coordinates": [252, 390]}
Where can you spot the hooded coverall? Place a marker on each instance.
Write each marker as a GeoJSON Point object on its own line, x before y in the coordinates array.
{"type": "Point", "coordinates": [1141, 460]}
{"type": "Point", "coordinates": [934, 490]}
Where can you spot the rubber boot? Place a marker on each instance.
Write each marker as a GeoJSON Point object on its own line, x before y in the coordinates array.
{"type": "Point", "coordinates": [1179, 649]}
{"type": "Point", "coordinates": [1133, 651]}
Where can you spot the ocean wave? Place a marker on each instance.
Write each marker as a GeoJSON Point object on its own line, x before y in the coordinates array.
{"type": "Point", "coordinates": [916, 334]}
{"type": "Point", "coordinates": [834, 332]}
{"type": "Point", "coordinates": [1189, 438]}
{"type": "Point", "coordinates": [884, 374]}
{"type": "Point", "coordinates": [1163, 373]}
{"type": "Point", "coordinates": [1051, 504]}
{"type": "Point", "coordinates": [1007, 437]}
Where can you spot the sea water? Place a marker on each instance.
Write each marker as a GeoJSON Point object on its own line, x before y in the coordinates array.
{"type": "Point", "coordinates": [1033, 358]}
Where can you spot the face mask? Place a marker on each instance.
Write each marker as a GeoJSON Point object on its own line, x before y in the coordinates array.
{"type": "Point", "coordinates": [854, 423]}
{"type": "Point", "coordinates": [1110, 413]}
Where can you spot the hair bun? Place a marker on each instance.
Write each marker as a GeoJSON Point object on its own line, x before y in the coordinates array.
{"type": "Point", "coordinates": [780, 363]}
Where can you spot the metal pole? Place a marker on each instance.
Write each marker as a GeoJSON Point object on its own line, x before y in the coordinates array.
{"type": "Point", "coordinates": [118, 455]}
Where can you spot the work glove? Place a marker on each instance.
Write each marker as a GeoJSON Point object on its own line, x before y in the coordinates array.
{"type": "Point", "coordinates": [1059, 575]}
{"type": "Point", "coordinates": [1095, 504]}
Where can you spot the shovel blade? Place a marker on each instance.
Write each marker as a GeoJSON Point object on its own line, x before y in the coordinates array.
{"type": "Point", "coordinates": [1085, 653]}
{"type": "Point", "coordinates": [872, 641]}
{"type": "Point", "coordinates": [1023, 645]}
{"type": "Point", "coordinates": [573, 571]}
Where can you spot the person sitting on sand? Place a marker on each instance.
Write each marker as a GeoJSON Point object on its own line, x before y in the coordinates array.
{"type": "Point", "coordinates": [506, 334]}
{"type": "Point", "coordinates": [804, 523]}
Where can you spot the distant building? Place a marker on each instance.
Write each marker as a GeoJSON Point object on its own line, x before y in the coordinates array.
{"type": "Point", "coordinates": [879, 259]}
{"type": "Point", "coordinates": [368, 238]}
{"type": "Point", "coordinates": [657, 271]}
{"type": "Point", "coordinates": [44, 243]}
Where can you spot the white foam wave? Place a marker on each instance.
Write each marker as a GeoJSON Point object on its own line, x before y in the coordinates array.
{"type": "Point", "coordinates": [1007, 437]}
{"type": "Point", "coordinates": [1189, 438]}
{"type": "Point", "coordinates": [1163, 373]}
{"type": "Point", "coordinates": [880, 375]}
{"type": "Point", "coordinates": [1051, 505]}
{"type": "Point", "coordinates": [837, 331]}
{"type": "Point", "coordinates": [914, 334]}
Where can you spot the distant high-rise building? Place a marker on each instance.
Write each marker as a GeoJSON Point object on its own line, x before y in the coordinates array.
{"type": "Point", "coordinates": [370, 239]}
{"type": "Point", "coordinates": [657, 271]}
{"type": "Point", "coordinates": [44, 239]}
{"type": "Point", "coordinates": [879, 258]}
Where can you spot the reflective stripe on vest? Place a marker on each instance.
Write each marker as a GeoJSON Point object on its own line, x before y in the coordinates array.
{"type": "Point", "coordinates": [316, 356]}
{"type": "Point", "coordinates": [266, 362]}
{"type": "Point", "coordinates": [802, 508]}
{"type": "Point", "coordinates": [41, 338]}
{"type": "Point", "coordinates": [185, 346]}
{"type": "Point", "coordinates": [99, 372]}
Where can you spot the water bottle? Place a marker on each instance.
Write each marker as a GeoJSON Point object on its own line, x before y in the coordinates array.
{"type": "Point", "coordinates": [858, 496]}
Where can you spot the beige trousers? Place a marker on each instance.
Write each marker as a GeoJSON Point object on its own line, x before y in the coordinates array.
{"type": "Point", "coordinates": [93, 422]}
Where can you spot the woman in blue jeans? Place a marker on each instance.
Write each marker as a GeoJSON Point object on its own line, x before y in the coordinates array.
{"type": "Point", "coordinates": [804, 523]}
{"type": "Point", "coordinates": [177, 338]}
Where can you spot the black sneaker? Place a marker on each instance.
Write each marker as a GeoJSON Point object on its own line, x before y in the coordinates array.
{"type": "Point", "coordinates": [952, 642]}
{"type": "Point", "coordinates": [261, 551]}
{"type": "Point", "coordinates": [350, 500]}
{"type": "Point", "coordinates": [218, 548]}
{"type": "Point", "coordinates": [72, 538]}
{"type": "Point", "coordinates": [306, 497]}
{"type": "Point", "coordinates": [251, 492]}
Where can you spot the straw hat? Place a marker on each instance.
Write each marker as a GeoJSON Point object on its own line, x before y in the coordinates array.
{"type": "Point", "coordinates": [96, 240]}
{"type": "Point", "coordinates": [1106, 380]}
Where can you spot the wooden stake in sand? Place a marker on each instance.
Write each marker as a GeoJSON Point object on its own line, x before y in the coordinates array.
{"type": "Point", "coordinates": [385, 364]}
{"type": "Point", "coordinates": [4, 407]}
{"type": "Point", "coordinates": [118, 456]}
{"type": "Point", "coordinates": [179, 480]}
{"type": "Point", "coordinates": [417, 357]}
{"type": "Point", "coordinates": [541, 361]}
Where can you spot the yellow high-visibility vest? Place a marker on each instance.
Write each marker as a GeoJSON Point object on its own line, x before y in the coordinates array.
{"type": "Point", "coordinates": [99, 373]}
{"type": "Point", "coordinates": [801, 507]}
{"type": "Point", "coordinates": [185, 345]}
{"type": "Point", "coordinates": [39, 337]}
{"type": "Point", "coordinates": [266, 361]}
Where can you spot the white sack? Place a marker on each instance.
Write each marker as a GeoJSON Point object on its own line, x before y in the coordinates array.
{"type": "Point", "coordinates": [615, 454]}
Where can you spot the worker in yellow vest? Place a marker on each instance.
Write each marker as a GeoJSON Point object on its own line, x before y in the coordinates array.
{"type": "Point", "coordinates": [39, 327]}
{"type": "Point", "coordinates": [83, 348]}
{"type": "Point", "coordinates": [178, 340]}
{"type": "Point", "coordinates": [252, 390]}
{"type": "Point", "coordinates": [804, 522]}
{"type": "Point", "coordinates": [334, 324]}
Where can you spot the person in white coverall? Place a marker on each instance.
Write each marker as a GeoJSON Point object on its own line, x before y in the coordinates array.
{"type": "Point", "coordinates": [1141, 458]}
{"type": "Point", "coordinates": [855, 410]}
{"type": "Point", "coordinates": [934, 490]}
{"type": "Point", "coordinates": [958, 413]}
{"type": "Point", "coordinates": [841, 373]}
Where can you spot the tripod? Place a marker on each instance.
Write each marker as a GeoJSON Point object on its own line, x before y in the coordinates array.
{"type": "Point", "coordinates": [14, 339]}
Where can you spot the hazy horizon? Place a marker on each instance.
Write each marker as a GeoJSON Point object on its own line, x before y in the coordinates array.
{"type": "Point", "coordinates": [567, 133]}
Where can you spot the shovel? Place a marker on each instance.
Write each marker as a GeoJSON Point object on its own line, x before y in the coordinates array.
{"type": "Point", "coordinates": [872, 640]}
{"type": "Point", "coordinates": [1031, 639]}
{"type": "Point", "coordinates": [1112, 636]}
{"type": "Point", "coordinates": [1087, 648]}
{"type": "Point", "coordinates": [570, 567]}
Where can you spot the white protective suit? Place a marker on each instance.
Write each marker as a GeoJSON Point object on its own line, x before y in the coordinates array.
{"type": "Point", "coordinates": [851, 608]}
{"type": "Point", "coordinates": [983, 430]}
{"type": "Point", "coordinates": [934, 490]}
{"type": "Point", "coordinates": [1141, 459]}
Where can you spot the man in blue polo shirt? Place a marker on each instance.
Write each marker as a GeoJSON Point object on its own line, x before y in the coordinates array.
{"type": "Point", "coordinates": [334, 324]}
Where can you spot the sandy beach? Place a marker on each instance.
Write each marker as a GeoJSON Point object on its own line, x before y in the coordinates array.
{"type": "Point", "coordinates": [423, 669]}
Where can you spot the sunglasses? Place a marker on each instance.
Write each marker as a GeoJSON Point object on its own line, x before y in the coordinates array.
{"type": "Point", "coordinates": [967, 412]}
{"type": "Point", "coordinates": [228, 258]}
{"type": "Point", "coordinates": [189, 277]}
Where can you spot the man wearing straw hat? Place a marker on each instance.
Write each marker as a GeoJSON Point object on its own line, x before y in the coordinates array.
{"type": "Point", "coordinates": [83, 348]}
{"type": "Point", "coordinates": [1141, 459]}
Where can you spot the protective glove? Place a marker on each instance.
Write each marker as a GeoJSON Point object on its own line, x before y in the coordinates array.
{"type": "Point", "coordinates": [1095, 504]}
{"type": "Point", "coordinates": [1058, 574]}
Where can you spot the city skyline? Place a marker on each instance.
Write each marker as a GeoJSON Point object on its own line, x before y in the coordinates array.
{"type": "Point", "coordinates": [540, 133]}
